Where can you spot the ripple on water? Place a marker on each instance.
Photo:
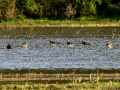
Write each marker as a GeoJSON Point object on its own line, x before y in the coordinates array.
{"type": "Point", "coordinates": [41, 55]}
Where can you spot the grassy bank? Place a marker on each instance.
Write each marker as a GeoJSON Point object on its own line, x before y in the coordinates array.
{"type": "Point", "coordinates": [81, 22]}
{"type": "Point", "coordinates": [110, 85]}
{"type": "Point", "coordinates": [32, 81]}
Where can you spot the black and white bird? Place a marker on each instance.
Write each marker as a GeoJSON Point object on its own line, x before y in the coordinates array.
{"type": "Point", "coordinates": [53, 43]}
{"type": "Point", "coordinates": [9, 47]}
{"type": "Point", "coordinates": [85, 43]}
{"type": "Point", "coordinates": [70, 43]}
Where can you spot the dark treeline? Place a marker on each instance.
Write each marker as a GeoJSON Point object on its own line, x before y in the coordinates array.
{"type": "Point", "coordinates": [58, 9]}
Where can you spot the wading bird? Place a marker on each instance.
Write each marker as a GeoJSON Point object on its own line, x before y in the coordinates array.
{"type": "Point", "coordinates": [109, 45]}
{"type": "Point", "coordinates": [85, 43]}
{"type": "Point", "coordinates": [9, 47]}
{"type": "Point", "coordinates": [53, 43]}
{"type": "Point", "coordinates": [70, 43]}
{"type": "Point", "coordinates": [25, 44]}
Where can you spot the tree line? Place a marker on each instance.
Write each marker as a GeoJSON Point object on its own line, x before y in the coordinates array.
{"type": "Point", "coordinates": [57, 9]}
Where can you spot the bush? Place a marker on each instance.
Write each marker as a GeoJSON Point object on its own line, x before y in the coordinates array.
{"type": "Point", "coordinates": [30, 8]}
{"type": "Point", "coordinates": [70, 12]}
{"type": "Point", "coordinates": [8, 10]}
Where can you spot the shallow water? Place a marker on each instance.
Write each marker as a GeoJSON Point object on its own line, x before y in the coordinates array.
{"type": "Point", "coordinates": [42, 56]}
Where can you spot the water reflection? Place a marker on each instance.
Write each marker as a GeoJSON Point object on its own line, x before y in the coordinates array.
{"type": "Point", "coordinates": [40, 55]}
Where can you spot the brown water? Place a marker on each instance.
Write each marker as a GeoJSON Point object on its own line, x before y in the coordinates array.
{"type": "Point", "coordinates": [40, 56]}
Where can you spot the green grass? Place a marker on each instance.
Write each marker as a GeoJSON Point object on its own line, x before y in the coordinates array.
{"type": "Point", "coordinates": [78, 84]}
{"type": "Point", "coordinates": [110, 85]}
{"type": "Point", "coordinates": [79, 22]}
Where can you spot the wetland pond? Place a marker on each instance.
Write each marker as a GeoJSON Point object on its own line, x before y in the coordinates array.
{"type": "Point", "coordinates": [41, 56]}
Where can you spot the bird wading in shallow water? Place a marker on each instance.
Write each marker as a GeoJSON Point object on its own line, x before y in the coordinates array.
{"type": "Point", "coordinates": [70, 43]}
{"type": "Point", "coordinates": [9, 47]}
{"type": "Point", "coordinates": [109, 45]}
{"type": "Point", "coordinates": [85, 43]}
{"type": "Point", "coordinates": [53, 43]}
{"type": "Point", "coordinates": [25, 44]}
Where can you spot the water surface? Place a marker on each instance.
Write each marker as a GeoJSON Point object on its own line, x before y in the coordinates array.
{"type": "Point", "coordinates": [42, 56]}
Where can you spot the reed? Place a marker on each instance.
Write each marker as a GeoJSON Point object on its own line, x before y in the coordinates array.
{"type": "Point", "coordinates": [113, 35]}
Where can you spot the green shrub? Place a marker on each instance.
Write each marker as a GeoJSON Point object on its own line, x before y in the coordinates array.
{"type": "Point", "coordinates": [7, 10]}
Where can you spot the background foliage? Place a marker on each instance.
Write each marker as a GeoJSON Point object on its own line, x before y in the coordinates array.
{"type": "Point", "coordinates": [58, 9]}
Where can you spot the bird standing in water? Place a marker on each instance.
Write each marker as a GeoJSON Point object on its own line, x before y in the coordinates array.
{"type": "Point", "coordinates": [53, 43]}
{"type": "Point", "coordinates": [25, 44]}
{"type": "Point", "coordinates": [85, 43]}
{"type": "Point", "coordinates": [70, 43]}
{"type": "Point", "coordinates": [9, 47]}
{"type": "Point", "coordinates": [109, 45]}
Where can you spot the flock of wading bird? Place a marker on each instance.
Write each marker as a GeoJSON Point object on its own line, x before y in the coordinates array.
{"type": "Point", "coordinates": [25, 44]}
{"type": "Point", "coordinates": [72, 43]}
